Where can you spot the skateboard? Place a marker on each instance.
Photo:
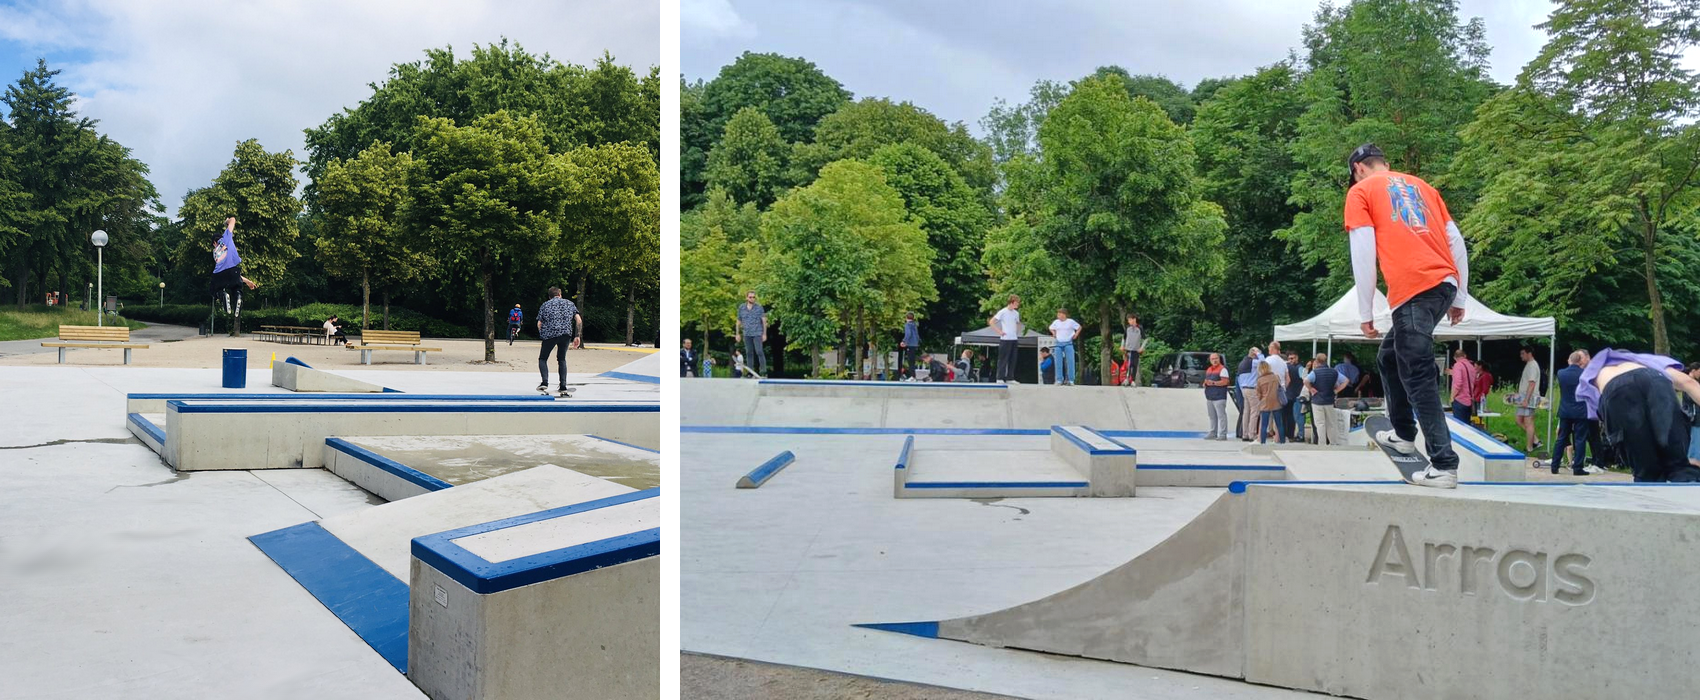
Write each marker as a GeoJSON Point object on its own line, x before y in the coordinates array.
{"type": "Point", "coordinates": [1408, 464]}
{"type": "Point", "coordinates": [565, 392]}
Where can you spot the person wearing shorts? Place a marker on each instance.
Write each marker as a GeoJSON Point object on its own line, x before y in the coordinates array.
{"type": "Point", "coordinates": [1528, 397]}
{"type": "Point", "coordinates": [558, 321]}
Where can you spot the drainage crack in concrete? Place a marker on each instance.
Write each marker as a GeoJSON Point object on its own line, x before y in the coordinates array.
{"type": "Point", "coordinates": [993, 502]}
{"type": "Point", "coordinates": [179, 477]}
{"type": "Point", "coordinates": [87, 441]}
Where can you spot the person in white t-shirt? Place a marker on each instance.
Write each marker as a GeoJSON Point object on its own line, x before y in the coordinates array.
{"type": "Point", "coordinates": [1064, 330]}
{"type": "Point", "coordinates": [1528, 397]}
{"type": "Point", "coordinates": [1007, 322]}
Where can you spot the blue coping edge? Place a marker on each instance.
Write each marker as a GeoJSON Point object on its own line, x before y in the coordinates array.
{"type": "Point", "coordinates": [148, 427]}
{"type": "Point", "coordinates": [903, 455]}
{"type": "Point", "coordinates": [292, 361]}
{"type": "Point", "coordinates": [761, 474]}
{"type": "Point", "coordinates": [623, 444]}
{"type": "Point", "coordinates": [800, 430]}
{"type": "Point", "coordinates": [388, 390]}
{"type": "Point", "coordinates": [917, 385]}
{"type": "Point", "coordinates": [1212, 467]}
{"type": "Point", "coordinates": [1514, 454]}
{"type": "Point", "coordinates": [553, 407]}
{"type": "Point", "coordinates": [233, 396]}
{"type": "Point", "coordinates": [929, 630]}
{"type": "Point", "coordinates": [408, 474]}
{"type": "Point", "coordinates": [995, 485]}
{"type": "Point", "coordinates": [1240, 486]}
{"type": "Point", "coordinates": [1120, 449]}
{"type": "Point", "coordinates": [631, 377]}
{"type": "Point", "coordinates": [371, 601]}
{"type": "Point", "coordinates": [483, 577]}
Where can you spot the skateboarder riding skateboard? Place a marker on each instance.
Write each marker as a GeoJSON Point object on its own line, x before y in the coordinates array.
{"type": "Point", "coordinates": [227, 274]}
{"type": "Point", "coordinates": [1400, 221]}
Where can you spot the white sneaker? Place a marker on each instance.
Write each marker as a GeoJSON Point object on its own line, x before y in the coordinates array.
{"type": "Point", "coordinates": [1591, 469]}
{"type": "Point", "coordinates": [1391, 440]}
{"type": "Point", "coordinates": [1436, 478]}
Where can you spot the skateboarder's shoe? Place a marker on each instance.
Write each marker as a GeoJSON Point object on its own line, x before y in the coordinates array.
{"type": "Point", "coordinates": [1436, 478]}
{"type": "Point", "coordinates": [1390, 439]}
{"type": "Point", "coordinates": [544, 387]}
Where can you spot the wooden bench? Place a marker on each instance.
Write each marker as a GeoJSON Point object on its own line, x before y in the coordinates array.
{"type": "Point", "coordinates": [94, 337]}
{"type": "Point", "coordinates": [390, 340]}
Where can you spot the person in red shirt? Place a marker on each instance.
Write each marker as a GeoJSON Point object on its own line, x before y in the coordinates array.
{"type": "Point", "coordinates": [1400, 221]}
{"type": "Point", "coordinates": [1466, 381]}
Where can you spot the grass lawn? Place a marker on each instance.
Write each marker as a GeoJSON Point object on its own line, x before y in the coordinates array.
{"type": "Point", "coordinates": [1504, 426]}
{"type": "Point", "coordinates": [39, 321]}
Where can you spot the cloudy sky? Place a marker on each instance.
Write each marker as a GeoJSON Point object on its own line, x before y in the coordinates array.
{"type": "Point", "coordinates": [182, 81]}
{"type": "Point", "coordinates": [953, 57]}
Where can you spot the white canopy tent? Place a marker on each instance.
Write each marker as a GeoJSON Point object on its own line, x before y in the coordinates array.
{"type": "Point", "coordinates": [1340, 322]}
{"type": "Point", "coordinates": [986, 337]}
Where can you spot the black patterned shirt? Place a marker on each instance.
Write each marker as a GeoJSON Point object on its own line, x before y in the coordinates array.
{"type": "Point", "coordinates": [556, 317]}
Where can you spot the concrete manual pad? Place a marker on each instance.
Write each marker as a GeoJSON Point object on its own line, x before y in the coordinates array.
{"type": "Point", "coordinates": [464, 459]}
{"type": "Point", "coordinates": [990, 466]}
{"type": "Point", "coordinates": [384, 534]}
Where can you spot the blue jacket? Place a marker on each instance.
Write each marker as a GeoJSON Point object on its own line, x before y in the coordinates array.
{"type": "Point", "coordinates": [1570, 407]}
{"type": "Point", "coordinates": [912, 334]}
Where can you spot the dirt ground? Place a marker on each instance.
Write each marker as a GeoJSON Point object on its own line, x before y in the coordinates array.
{"type": "Point", "coordinates": [704, 677]}
{"type": "Point", "coordinates": [457, 356]}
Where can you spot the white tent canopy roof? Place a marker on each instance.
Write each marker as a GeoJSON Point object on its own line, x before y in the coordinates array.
{"type": "Point", "coordinates": [1340, 322]}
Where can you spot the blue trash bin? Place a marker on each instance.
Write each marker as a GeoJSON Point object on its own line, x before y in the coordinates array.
{"type": "Point", "coordinates": [235, 368]}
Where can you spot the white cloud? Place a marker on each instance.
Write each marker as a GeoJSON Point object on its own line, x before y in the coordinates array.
{"type": "Point", "coordinates": [713, 18]}
{"type": "Point", "coordinates": [181, 83]}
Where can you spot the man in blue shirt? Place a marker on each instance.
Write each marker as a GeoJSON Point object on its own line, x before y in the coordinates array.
{"type": "Point", "coordinates": [1574, 428]}
{"type": "Point", "coordinates": [910, 343]}
{"type": "Point", "coordinates": [1348, 370]}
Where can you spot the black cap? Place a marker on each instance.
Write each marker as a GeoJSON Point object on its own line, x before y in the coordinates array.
{"type": "Point", "coordinates": [1363, 153]}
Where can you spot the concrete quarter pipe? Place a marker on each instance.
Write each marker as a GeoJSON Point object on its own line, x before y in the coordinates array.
{"type": "Point", "coordinates": [1390, 591]}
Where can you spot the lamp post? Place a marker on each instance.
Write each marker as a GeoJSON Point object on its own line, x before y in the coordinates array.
{"type": "Point", "coordinates": [98, 238]}
{"type": "Point", "coordinates": [162, 295]}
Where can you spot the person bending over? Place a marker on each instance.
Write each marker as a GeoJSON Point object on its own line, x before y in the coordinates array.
{"type": "Point", "coordinates": [1634, 397]}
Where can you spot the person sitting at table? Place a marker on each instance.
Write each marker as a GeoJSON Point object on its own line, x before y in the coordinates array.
{"type": "Point", "coordinates": [333, 331]}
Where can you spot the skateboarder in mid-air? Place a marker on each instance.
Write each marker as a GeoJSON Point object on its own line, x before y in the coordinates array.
{"type": "Point", "coordinates": [558, 324]}
{"type": "Point", "coordinates": [1400, 221]}
{"type": "Point", "coordinates": [227, 274]}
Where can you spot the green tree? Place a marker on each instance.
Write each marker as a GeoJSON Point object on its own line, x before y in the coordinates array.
{"type": "Point", "coordinates": [792, 92]}
{"type": "Point", "coordinates": [361, 234]}
{"type": "Point", "coordinates": [612, 220]}
{"type": "Point", "coordinates": [1589, 163]}
{"type": "Point", "coordinates": [1404, 74]}
{"type": "Point", "coordinates": [486, 192]}
{"type": "Point", "coordinates": [258, 188]}
{"type": "Point", "coordinates": [717, 242]}
{"type": "Point", "coordinates": [748, 163]}
{"type": "Point", "coordinates": [1174, 99]}
{"type": "Point", "coordinates": [841, 252]}
{"type": "Point", "coordinates": [1013, 130]}
{"type": "Point", "coordinates": [1113, 199]}
{"type": "Point", "coordinates": [859, 128]}
{"type": "Point", "coordinates": [948, 210]}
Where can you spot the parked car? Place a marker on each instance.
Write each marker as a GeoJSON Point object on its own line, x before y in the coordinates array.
{"type": "Point", "coordinates": [1190, 364]}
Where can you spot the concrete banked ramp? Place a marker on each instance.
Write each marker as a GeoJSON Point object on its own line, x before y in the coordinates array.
{"type": "Point", "coordinates": [295, 375]}
{"type": "Point", "coordinates": [1393, 591]}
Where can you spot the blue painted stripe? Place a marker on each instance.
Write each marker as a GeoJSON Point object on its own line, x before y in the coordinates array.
{"type": "Point", "coordinates": [1087, 446]}
{"type": "Point", "coordinates": [148, 427]}
{"type": "Point", "coordinates": [484, 577]}
{"type": "Point", "coordinates": [388, 390]}
{"type": "Point", "coordinates": [1164, 434]}
{"type": "Point", "coordinates": [181, 407]}
{"type": "Point", "coordinates": [399, 396]}
{"type": "Point", "coordinates": [929, 630]}
{"type": "Point", "coordinates": [995, 485]}
{"type": "Point", "coordinates": [761, 474]}
{"type": "Point", "coordinates": [362, 594]}
{"type": "Point", "coordinates": [292, 361]}
{"type": "Point", "coordinates": [1480, 434]}
{"type": "Point", "coordinates": [1240, 486]}
{"type": "Point", "coordinates": [903, 454]}
{"type": "Point", "coordinates": [631, 377]}
{"type": "Point", "coordinates": [623, 444]}
{"type": "Point", "coordinates": [1211, 467]}
{"type": "Point", "coordinates": [1119, 443]}
{"type": "Point", "coordinates": [409, 474]}
{"type": "Point", "coordinates": [906, 385]}
{"type": "Point", "coordinates": [802, 430]}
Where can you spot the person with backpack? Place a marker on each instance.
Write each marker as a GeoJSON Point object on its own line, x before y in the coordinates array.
{"type": "Point", "coordinates": [516, 318]}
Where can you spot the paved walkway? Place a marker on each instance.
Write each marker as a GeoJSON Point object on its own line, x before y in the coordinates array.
{"type": "Point", "coordinates": [158, 333]}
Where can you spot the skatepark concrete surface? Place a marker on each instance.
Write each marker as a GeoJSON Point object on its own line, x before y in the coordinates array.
{"type": "Point", "coordinates": [784, 574]}
{"type": "Point", "coordinates": [704, 677]}
{"type": "Point", "coordinates": [120, 578]}
{"type": "Point", "coordinates": [463, 459]}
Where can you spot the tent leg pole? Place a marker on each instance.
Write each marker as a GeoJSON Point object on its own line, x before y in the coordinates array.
{"type": "Point", "coordinates": [1552, 383]}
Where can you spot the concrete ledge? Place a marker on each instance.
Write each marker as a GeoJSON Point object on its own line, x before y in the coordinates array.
{"type": "Point", "coordinates": [1110, 467]}
{"type": "Point", "coordinates": [820, 388]}
{"type": "Point", "coordinates": [204, 435]}
{"type": "Point", "coordinates": [489, 602]}
{"type": "Point", "coordinates": [145, 430]}
{"type": "Point", "coordinates": [900, 475]}
{"type": "Point", "coordinates": [368, 599]}
{"type": "Point", "coordinates": [155, 402]}
{"type": "Point", "coordinates": [767, 470]}
{"type": "Point", "coordinates": [297, 376]}
{"type": "Point", "coordinates": [1206, 475]}
{"type": "Point", "coordinates": [389, 479]}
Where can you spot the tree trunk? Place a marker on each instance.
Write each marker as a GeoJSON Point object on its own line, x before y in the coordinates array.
{"type": "Point", "coordinates": [1655, 301]}
{"type": "Point", "coordinates": [706, 348]}
{"type": "Point", "coordinates": [365, 299]}
{"type": "Point", "coordinates": [580, 299]}
{"type": "Point", "coordinates": [1104, 344]}
{"type": "Point", "coordinates": [386, 307]}
{"type": "Point", "coordinates": [814, 361]}
{"type": "Point", "coordinates": [487, 274]}
{"type": "Point", "coordinates": [631, 312]}
{"type": "Point", "coordinates": [20, 278]}
{"type": "Point", "coordinates": [861, 342]}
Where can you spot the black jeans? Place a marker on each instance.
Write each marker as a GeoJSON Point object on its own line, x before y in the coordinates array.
{"type": "Point", "coordinates": [1577, 433]}
{"type": "Point", "coordinates": [1238, 396]}
{"type": "Point", "coordinates": [908, 356]}
{"type": "Point", "coordinates": [559, 345]}
{"type": "Point", "coordinates": [1463, 412]}
{"type": "Point", "coordinates": [755, 356]}
{"type": "Point", "coordinates": [1642, 422]}
{"type": "Point", "coordinates": [1412, 381]}
{"type": "Point", "coordinates": [1286, 420]}
{"type": "Point", "coordinates": [1006, 359]}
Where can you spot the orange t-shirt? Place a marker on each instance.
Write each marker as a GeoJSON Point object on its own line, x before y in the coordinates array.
{"type": "Point", "coordinates": [1410, 220]}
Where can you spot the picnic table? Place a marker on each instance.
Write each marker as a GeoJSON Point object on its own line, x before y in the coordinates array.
{"type": "Point", "coordinates": [292, 334]}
